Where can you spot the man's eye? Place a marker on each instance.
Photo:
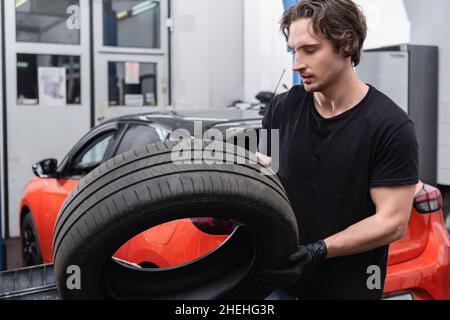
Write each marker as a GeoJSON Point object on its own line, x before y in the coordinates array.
{"type": "Point", "coordinates": [310, 51]}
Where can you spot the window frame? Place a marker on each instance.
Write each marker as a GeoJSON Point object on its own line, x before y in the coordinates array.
{"type": "Point", "coordinates": [39, 48]}
{"type": "Point", "coordinates": [104, 54]}
{"type": "Point", "coordinates": [98, 33]}
{"type": "Point", "coordinates": [104, 110]}
{"type": "Point", "coordinates": [45, 43]}
{"type": "Point", "coordinates": [130, 124]}
{"type": "Point", "coordinates": [65, 168]}
{"type": "Point", "coordinates": [40, 104]}
{"type": "Point", "coordinates": [79, 156]}
{"type": "Point", "coordinates": [156, 78]}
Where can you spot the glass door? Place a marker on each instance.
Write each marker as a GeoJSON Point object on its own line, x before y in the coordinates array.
{"type": "Point", "coordinates": [131, 57]}
{"type": "Point", "coordinates": [48, 88]}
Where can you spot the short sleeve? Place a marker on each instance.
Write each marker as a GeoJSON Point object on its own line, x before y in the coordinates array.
{"type": "Point", "coordinates": [396, 158]}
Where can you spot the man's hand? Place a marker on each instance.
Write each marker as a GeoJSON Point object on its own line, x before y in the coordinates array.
{"type": "Point", "coordinates": [265, 160]}
{"type": "Point", "coordinates": [297, 262]}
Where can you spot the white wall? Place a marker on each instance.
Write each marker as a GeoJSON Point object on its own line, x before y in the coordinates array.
{"type": "Point", "coordinates": [207, 70]}
{"type": "Point", "coordinates": [225, 51]}
{"type": "Point", "coordinates": [387, 21]}
{"type": "Point", "coordinates": [265, 48]}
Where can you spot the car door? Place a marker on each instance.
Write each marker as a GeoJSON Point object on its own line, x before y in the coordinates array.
{"type": "Point", "coordinates": [92, 150]}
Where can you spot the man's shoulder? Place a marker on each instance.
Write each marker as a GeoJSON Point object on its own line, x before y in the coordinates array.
{"type": "Point", "coordinates": [384, 112]}
{"type": "Point", "coordinates": [295, 91]}
{"type": "Point", "coordinates": [290, 97]}
{"type": "Point", "coordinates": [283, 105]}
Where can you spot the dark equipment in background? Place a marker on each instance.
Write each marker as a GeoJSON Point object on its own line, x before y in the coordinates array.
{"type": "Point", "coordinates": [265, 97]}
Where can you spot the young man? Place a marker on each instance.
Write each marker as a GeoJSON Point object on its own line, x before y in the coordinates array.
{"type": "Point", "coordinates": [348, 159]}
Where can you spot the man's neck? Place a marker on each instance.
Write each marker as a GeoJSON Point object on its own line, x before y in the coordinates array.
{"type": "Point", "coordinates": [343, 95]}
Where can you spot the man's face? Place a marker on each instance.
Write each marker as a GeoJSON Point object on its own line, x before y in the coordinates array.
{"type": "Point", "coordinates": [316, 59]}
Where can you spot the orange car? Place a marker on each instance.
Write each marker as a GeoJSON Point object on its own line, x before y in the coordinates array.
{"type": "Point", "coordinates": [418, 265]}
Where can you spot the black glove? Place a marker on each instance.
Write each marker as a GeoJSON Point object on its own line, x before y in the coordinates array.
{"type": "Point", "coordinates": [286, 278]}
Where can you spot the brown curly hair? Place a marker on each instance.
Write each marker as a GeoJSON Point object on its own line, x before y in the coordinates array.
{"type": "Point", "coordinates": [340, 21]}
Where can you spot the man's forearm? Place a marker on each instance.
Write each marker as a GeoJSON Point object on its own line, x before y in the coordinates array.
{"type": "Point", "coordinates": [369, 234]}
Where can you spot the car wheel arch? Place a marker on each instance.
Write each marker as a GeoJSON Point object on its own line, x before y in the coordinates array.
{"type": "Point", "coordinates": [23, 212]}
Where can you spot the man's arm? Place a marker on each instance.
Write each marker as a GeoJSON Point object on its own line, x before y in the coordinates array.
{"type": "Point", "coordinates": [393, 208]}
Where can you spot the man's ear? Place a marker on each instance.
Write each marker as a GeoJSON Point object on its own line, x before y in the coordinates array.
{"type": "Point", "coordinates": [346, 50]}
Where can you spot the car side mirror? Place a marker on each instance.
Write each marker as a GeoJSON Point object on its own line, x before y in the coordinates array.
{"type": "Point", "coordinates": [46, 168]}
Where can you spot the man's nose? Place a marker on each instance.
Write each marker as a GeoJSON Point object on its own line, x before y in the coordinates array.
{"type": "Point", "coordinates": [299, 66]}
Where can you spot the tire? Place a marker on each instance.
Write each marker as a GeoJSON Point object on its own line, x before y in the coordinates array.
{"type": "Point", "coordinates": [31, 252]}
{"type": "Point", "coordinates": [144, 188]}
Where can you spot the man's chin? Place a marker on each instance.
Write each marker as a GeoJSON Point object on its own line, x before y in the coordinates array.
{"type": "Point", "coordinates": [310, 88]}
{"type": "Point", "coordinates": [314, 87]}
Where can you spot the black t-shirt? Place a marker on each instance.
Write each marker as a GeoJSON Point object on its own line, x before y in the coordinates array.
{"type": "Point", "coordinates": [328, 166]}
